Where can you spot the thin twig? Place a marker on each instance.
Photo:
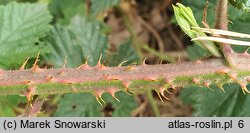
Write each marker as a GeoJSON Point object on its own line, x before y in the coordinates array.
{"type": "Point", "coordinates": [153, 103]}
{"type": "Point", "coordinates": [154, 33]}
{"type": "Point", "coordinates": [163, 56]}
{"type": "Point", "coordinates": [172, 33]}
{"type": "Point", "coordinates": [138, 110]}
{"type": "Point", "coordinates": [222, 23]}
{"type": "Point", "coordinates": [204, 19]}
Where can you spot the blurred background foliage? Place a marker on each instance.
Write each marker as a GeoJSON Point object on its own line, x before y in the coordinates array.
{"type": "Point", "coordinates": [119, 30]}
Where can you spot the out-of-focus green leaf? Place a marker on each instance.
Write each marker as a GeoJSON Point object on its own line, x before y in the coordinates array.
{"type": "Point", "coordinates": [125, 53]}
{"type": "Point", "coordinates": [78, 105]}
{"type": "Point", "coordinates": [85, 105]}
{"type": "Point", "coordinates": [83, 38]}
{"type": "Point", "coordinates": [195, 52]}
{"type": "Point", "coordinates": [241, 4]}
{"type": "Point", "coordinates": [98, 6]}
{"type": "Point", "coordinates": [89, 36]}
{"type": "Point", "coordinates": [21, 26]}
{"type": "Point", "coordinates": [123, 108]}
{"type": "Point", "coordinates": [5, 1]}
{"type": "Point", "coordinates": [218, 103]}
{"type": "Point", "coordinates": [64, 10]}
{"type": "Point", "coordinates": [8, 104]}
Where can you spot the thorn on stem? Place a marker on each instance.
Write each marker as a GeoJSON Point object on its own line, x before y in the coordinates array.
{"type": "Point", "coordinates": [99, 65]}
{"type": "Point", "coordinates": [126, 84]}
{"type": "Point", "coordinates": [246, 51]}
{"type": "Point", "coordinates": [223, 71]}
{"type": "Point", "coordinates": [49, 78]}
{"type": "Point", "coordinates": [144, 61]}
{"type": "Point", "coordinates": [168, 91]}
{"type": "Point", "coordinates": [30, 90]}
{"type": "Point", "coordinates": [24, 64]}
{"type": "Point", "coordinates": [122, 63]}
{"type": "Point", "coordinates": [159, 95]}
{"type": "Point", "coordinates": [244, 88]}
{"type": "Point", "coordinates": [85, 66]}
{"type": "Point", "coordinates": [99, 99]}
{"type": "Point", "coordinates": [35, 66]}
{"type": "Point", "coordinates": [127, 91]}
{"type": "Point", "coordinates": [65, 62]}
{"type": "Point", "coordinates": [207, 85]}
{"type": "Point", "coordinates": [195, 80]}
{"type": "Point", "coordinates": [198, 62]}
{"type": "Point", "coordinates": [162, 93]}
{"type": "Point", "coordinates": [170, 82]}
{"type": "Point", "coordinates": [233, 76]}
{"type": "Point", "coordinates": [221, 87]}
{"type": "Point", "coordinates": [112, 92]}
{"type": "Point", "coordinates": [129, 68]}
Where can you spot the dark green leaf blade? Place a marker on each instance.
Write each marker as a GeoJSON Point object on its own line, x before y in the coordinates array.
{"type": "Point", "coordinates": [99, 6]}
{"type": "Point", "coordinates": [21, 26]}
{"type": "Point", "coordinates": [125, 53]}
{"type": "Point", "coordinates": [62, 46]}
{"type": "Point", "coordinates": [241, 4]}
{"type": "Point", "coordinates": [76, 105]}
{"type": "Point", "coordinates": [218, 103]}
{"type": "Point", "coordinates": [88, 34]}
{"type": "Point", "coordinates": [123, 108]}
{"type": "Point", "coordinates": [8, 105]}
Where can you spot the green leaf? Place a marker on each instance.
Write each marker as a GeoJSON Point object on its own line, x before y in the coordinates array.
{"type": "Point", "coordinates": [64, 10]}
{"type": "Point", "coordinates": [197, 8]}
{"type": "Point", "coordinates": [74, 105]}
{"type": "Point", "coordinates": [125, 53]}
{"type": "Point", "coordinates": [5, 1]}
{"type": "Point", "coordinates": [195, 52]}
{"type": "Point", "coordinates": [83, 38]}
{"type": "Point", "coordinates": [123, 108]}
{"type": "Point", "coordinates": [61, 46]}
{"type": "Point", "coordinates": [218, 103]}
{"type": "Point", "coordinates": [8, 103]}
{"type": "Point", "coordinates": [88, 34]}
{"type": "Point", "coordinates": [241, 4]}
{"type": "Point", "coordinates": [21, 26]}
{"type": "Point", "coordinates": [98, 6]}
{"type": "Point", "coordinates": [186, 20]}
{"type": "Point", "coordinates": [85, 105]}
